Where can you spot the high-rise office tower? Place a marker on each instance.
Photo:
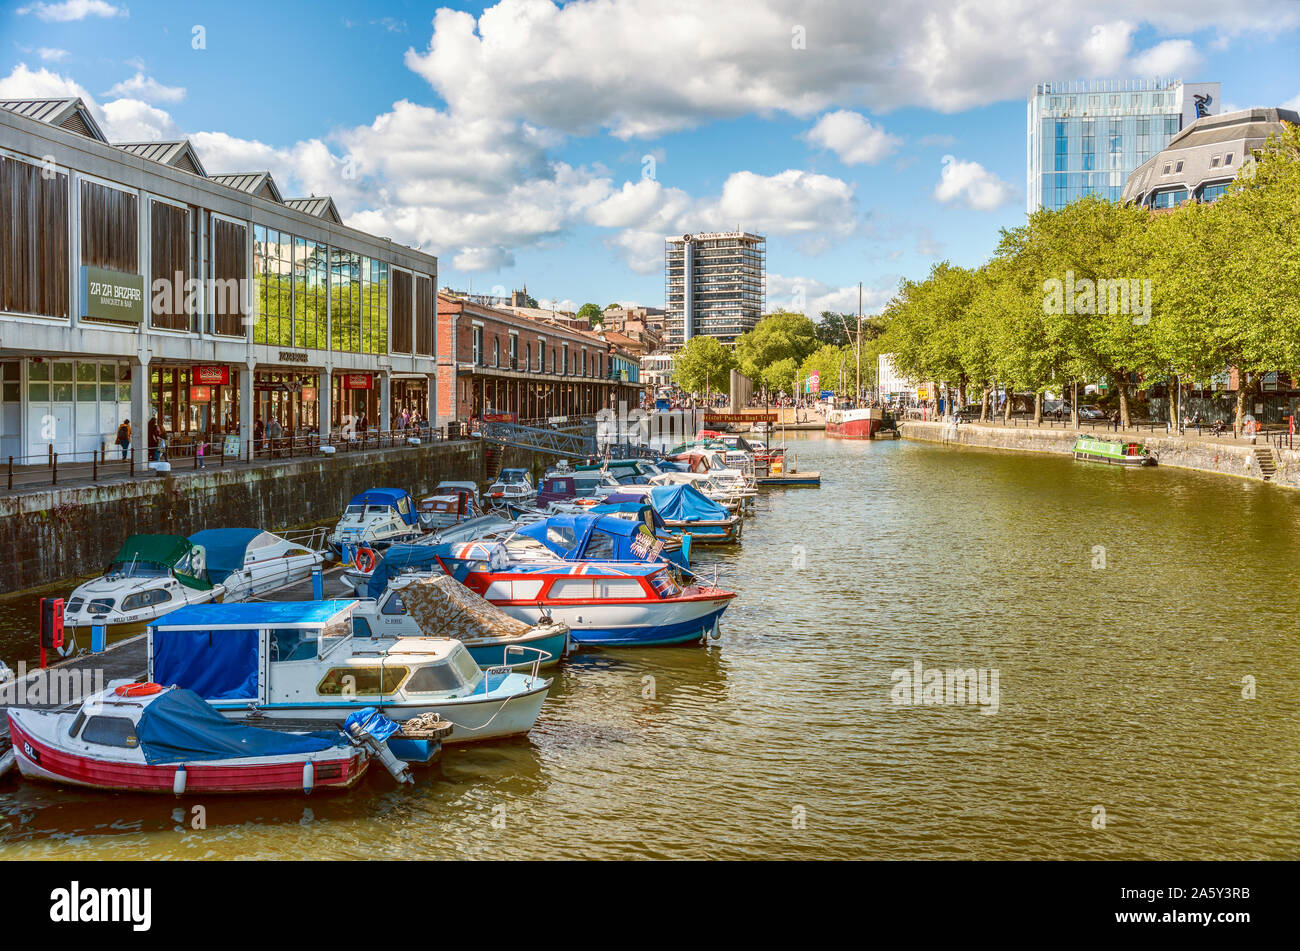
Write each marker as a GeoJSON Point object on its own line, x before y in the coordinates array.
{"type": "Point", "coordinates": [713, 285]}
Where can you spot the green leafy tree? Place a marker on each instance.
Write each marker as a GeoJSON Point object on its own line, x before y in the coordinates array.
{"type": "Point", "coordinates": [590, 313]}
{"type": "Point", "coordinates": [777, 337]}
{"type": "Point", "coordinates": [703, 365]}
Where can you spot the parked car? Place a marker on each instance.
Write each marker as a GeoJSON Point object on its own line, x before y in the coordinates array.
{"type": "Point", "coordinates": [1091, 411]}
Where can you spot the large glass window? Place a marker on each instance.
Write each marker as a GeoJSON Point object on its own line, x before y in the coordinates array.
{"type": "Point", "coordinates": [310, 294]}
{"type": "Point", "coordinates": [374, 306]}
{"type": "Point", "coordinates": [345, 288]}
{"type": "Point", "coordinates": [273, 282]}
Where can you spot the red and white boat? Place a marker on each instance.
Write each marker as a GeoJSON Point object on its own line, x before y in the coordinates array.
{"type": "Point", "coordinates": [854, 423]}
{"type": "Point", "coordinates": [155, 739]}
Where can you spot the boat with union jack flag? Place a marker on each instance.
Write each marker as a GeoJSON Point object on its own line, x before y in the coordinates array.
{"type": "Point", "coordinates": [604, 603]}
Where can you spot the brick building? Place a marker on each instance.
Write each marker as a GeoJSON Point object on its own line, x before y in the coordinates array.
{"type": "Point", "coordinates": [496, 361]}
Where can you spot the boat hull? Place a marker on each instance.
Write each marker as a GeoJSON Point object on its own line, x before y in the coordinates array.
{"type": "Point", "coordinates": [853, 429]}
{"type": "Point", "coordinates": [41, 760]}
{"type": "Point", "coordinates": [473, 718]}
{"type": "Point", "coordinates": [494, 654]}
{"type": "Point", "coordinates": [1129, 462]}
{"type": "Point", "coordinates": [630, 624]}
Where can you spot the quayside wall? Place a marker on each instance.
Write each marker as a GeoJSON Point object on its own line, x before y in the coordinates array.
{"type": "Point", "coordinates": [61, 533]}
{"type": "Point", "coordinates": [1205, 454]}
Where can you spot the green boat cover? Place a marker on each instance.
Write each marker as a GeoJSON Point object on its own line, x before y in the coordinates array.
{"type": "Point", "coordinates": [165, 550]}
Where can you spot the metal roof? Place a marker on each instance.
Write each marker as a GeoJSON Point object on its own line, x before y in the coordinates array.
{"type": "Point", "coordinates": [178, 154]}
{"type": "Point", "coordinates": [254, 183]}
{"type": "Point", "coordinates": [67, 113]}
{"type": "Point", "coordinates": [318, 206]}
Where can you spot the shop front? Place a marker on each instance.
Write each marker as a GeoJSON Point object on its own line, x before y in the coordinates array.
{"type": "Point", "coordinates": [289, 397]}
{"type": "Point", "coordinates": [410, 396]}
{"type": "Point", "coordinates": [354, 401]}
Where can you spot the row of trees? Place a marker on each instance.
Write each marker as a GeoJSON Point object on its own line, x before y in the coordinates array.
{"type": "Point", "coordinates": [1098, 292]}
{"type": "Point", "coordinates": [782, 349]}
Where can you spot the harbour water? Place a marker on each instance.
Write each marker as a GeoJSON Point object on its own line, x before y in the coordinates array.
{"type": "Point", "coordinates": [1128, 616]}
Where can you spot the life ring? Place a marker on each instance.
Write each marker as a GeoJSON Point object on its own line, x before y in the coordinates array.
{"type": "Point", "coordinates": [139, 690]}
{"type": "Point", "coordinates": [366, 559]}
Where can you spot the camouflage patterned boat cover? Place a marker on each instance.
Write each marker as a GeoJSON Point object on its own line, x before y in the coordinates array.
{"type": "Point", "coordinates": [443, 607]}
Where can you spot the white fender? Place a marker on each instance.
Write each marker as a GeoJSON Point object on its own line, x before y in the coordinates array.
{"type": "Point", "coordinates": [308, 777]}
{"type": "Point", "coordinates": [178, 780]}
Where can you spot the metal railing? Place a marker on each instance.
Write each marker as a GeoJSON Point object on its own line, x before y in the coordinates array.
{"type": "Point", "coordinates": [182, 455]}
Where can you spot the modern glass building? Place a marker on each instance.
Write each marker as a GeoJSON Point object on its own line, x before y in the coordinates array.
{"type": "Point", "coordinates": [1087, 137]}
{"type": "Point", "coordinates": [713, 285]}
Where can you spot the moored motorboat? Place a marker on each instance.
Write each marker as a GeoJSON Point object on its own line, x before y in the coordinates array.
{"type": "Point", "coordinates": [512, 486]}
{"type": "Point", "coordinates": [437, 605]}
{"type": "Point", "coordinates": [605, 604]}
{"type": "Point", "coordinates": [450, 504]}
{"type": "Point", "coordinates": [306, 660]}
{"type": "Point", "coordinates": [150, 576]}
{"type": "Point", "coordinates": [1112, 452]}
{"type": "Point", "coordinates": [375, 519]}
{"type": "Point", "coordinates": [249, 563]}
{"type": "Point", "coordinates": [150, 738]}
{"type": "Point", "coordinates": [685, 510]}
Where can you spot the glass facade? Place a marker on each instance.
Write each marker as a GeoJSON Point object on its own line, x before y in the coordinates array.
{"type": "Point", "coordinates": [1086, 139]}
{"type": "Point", "coordinates": [713, 285]}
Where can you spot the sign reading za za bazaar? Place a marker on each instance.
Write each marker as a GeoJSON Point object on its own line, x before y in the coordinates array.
{"type": "Point", "coordinates": [112, 295]}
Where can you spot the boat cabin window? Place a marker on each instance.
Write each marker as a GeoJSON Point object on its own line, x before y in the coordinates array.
{"type": "Point", "coordinates": [74, 606]}
{"type": "Point", "coordinates": [436, 678]}
{"type": "Point", "coordinates": [377, 510]}
{"type": "Point", "coordinates": [100, 606]}
{"type": "Point", "coordinates": [600, 546]}
{"type": "Point", "coordinates": [139, 569]}
{"type": "Point", "coordinates": [111, 731]}
{"type": "Point", "coordinates": [361, 681]}
{"type": "Point", "coordinates": [360, 627]}
{"type": "Point", "coordinates": [142, 599]}
{"type": "Point", "coordinates": [293, 643]}
{"type": "Point", "coordinates": [355, 509]}
{"type": "Point", "coordinates": [404, 506]}
{"type": "Point", "coordinates": [561, 536]}
{"type": "Point", "coordinates": [393, 605]}
{"type": "Point", "coordinates": [77, 721]}
{"type": "Point", "coordinates": [597, 587]}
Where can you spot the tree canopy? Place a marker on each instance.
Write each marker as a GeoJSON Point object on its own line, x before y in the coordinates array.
{"type": "Point", "coordinates": [703, 365]}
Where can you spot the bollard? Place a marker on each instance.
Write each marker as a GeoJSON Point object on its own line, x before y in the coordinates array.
{"type": "Point", "coordinates": [98, 637]}
{"type": "Point", "coordinates": [56, 470]}
{"type": "Point", "coordinates": [317, 584]}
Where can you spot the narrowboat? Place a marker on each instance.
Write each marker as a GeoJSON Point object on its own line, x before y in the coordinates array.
{"type": "Point", "coordinates": [1115, 453]}
{"type": "Point", "coordinates": [307, 660]}
{"type": "Point", "coordinates": [143, 737]}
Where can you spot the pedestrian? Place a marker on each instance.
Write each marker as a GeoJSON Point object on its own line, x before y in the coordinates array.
{"type": "Point", "coordinates": [259, 432]}
{"type": "Point", "coordinates": [276, 431]}
{"type": "Point", "coordinates": [154, 438]}
{"type": "Point", "coordinates": [198, 451]}
{"type": "Point", "coordinates": [124, 437]}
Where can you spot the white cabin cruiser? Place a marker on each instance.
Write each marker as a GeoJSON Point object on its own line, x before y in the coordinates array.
{"type": "Point", "coordinates": [150, 576]}
{"type": "Point", "coordinates": [512, 486]}
{"type": "Point", "coordinates": [375, 519]}
{"type": "Point", "coordinates": [249, 562]}
{"type": "Point", "coordinates": [305, 660]}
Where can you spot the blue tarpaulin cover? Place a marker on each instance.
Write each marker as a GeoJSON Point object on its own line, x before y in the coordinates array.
{"type": "Point", "coordinates": [575, 537]}
{"type": "Point", "coordinates": [685, 503]}
{"type": "Point", "coordinates": [225, 549]}
{"type": "Point", "coordinates": [372, 722]}
{"type": "Point", "coordinates": [217, 665]}
{"type": "Point", "coordinates": [179, 727]}
{"type": "Point", "coordinates": [401, 558]}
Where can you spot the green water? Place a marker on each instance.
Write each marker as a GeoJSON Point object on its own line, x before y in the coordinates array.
{"type": "Point", "coordinates": [1118, 686]}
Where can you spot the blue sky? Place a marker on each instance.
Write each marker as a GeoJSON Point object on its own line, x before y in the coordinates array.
{"type": "Point", "coordinates": [530, 143]}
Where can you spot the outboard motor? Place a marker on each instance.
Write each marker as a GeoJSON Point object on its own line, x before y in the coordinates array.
{"type": "Point", "coordinates": [371, 729]}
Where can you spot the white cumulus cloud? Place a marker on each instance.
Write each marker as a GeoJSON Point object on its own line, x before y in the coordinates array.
{"type": "Point", "coordinates": [147, 88]}
{"type": "Point", "coordinates": [71, 10]}
{"type": "Point", "coordinates": [972, 185]}
{"type": "Point", "coordinates": [852, 137]}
